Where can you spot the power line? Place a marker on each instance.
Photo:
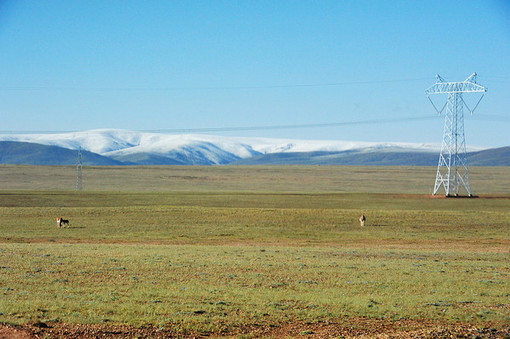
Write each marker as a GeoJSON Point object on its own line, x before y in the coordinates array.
{"type": "Point", "coordinates": [491, 117]}
{"type": "Point", "coordinates": [204, 88]}
{"type": "Point", "coordinates": [251, 128]}
{"type": "Point", "coordinates": [498, 118]}
{"type": "Point", "coordinates": [280, 127]}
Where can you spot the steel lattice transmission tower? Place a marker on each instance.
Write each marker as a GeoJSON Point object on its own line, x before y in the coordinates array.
{"type": "Point", "coordinates": [79, 165]}
{"type": "Point", "coordinates": [452, 169]}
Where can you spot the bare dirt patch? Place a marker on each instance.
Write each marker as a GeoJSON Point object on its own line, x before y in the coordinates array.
{"type": "Point", "coordinates": [345, 328]}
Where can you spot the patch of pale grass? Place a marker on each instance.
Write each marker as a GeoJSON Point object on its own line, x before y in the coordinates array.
{"type": "Point", "coordinates": [296, 179]}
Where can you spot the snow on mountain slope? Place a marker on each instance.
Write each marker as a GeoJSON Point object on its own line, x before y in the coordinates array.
{"type": "Point", "coordinates": [97, 141]}
{"type": "Point", "coordinates": [206, 148]}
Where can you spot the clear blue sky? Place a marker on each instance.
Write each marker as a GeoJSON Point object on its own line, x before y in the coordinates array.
{"type": "Point", "coordinates": [152, 65]}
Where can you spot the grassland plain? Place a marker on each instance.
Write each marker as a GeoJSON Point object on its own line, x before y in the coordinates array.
{"type": "Point", "coordinates": [280, 179]}
{"type": "Point", "coordinates": [253, 251]}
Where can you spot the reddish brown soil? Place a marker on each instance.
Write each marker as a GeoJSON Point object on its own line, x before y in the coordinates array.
{"type": "Point", "coordinates": [352, 328]}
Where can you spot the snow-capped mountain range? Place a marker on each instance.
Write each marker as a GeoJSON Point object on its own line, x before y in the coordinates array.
{"type": "Point", "coordinates": [211, 149]}
{"type": "Point", "coordinates": [113, 146]}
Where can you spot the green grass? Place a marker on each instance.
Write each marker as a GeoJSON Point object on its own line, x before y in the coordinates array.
{"type": "Point", "coordinates": [178, 218]}
{"type": "Point", "coordinates": [207, 260]}
{"type": "Point", "coordinates": [227, 285]}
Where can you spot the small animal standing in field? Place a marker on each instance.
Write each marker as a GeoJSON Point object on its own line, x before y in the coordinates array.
{"type": "Point", "coordinates": [362, 220]}
{"type": "Point", "coordinates": [61, 222]}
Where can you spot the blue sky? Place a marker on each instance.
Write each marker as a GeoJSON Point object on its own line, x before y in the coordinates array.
{"type": "Point", "coordinates": [195, 65]}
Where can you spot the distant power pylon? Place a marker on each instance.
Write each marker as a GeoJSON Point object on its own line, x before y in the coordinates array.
{"type": "Point", "coordinates": [452, 169]}
{"type": "Point", "coordinates": [79, 184]}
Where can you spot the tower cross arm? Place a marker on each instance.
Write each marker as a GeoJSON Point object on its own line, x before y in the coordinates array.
{"type": "Point", "coordinates": [455, 87]}
{"type": "Point", "coordinates": [467, 86]}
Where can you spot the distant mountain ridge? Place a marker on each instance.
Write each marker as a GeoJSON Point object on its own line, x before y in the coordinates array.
{"type": "Point", "coordinates": [26, 153]}
{"type": "Point", "coordinates": [120, 147]}
{"type": "Point", "coordinates": [491, 157]}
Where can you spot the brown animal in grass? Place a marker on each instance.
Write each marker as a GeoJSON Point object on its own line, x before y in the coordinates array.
{"type": "Point", "coordinates": [61, 222]}
{"type": "Point", "coordinates": [362, 220]}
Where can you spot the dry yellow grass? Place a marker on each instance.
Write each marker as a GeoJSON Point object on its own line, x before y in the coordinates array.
{"type": "Point", "coordinates": [345, 179]}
